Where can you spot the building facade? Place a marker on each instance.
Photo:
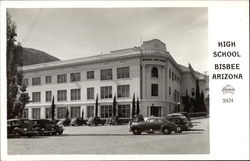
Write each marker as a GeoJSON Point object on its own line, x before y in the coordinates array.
{"type": "Point", "coordinates": [149, 72]}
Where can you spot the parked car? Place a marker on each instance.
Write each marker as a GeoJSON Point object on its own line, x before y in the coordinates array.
{"type": "Point", "coordinates": [45, 126]}
{"type": "Point", "coordinates": [114, 120]}
{"type": "Point", "coordinates": [64, 122]}
{"type": "Point", "coordinates": [153, 124]}
{"type": "Point", "coordinates": [179, 114]}
{"type": "Point", "coordinates": [181, 121]}
{"type": "Point", "coordinates": [95, 121]}
{"type": "Point", "coordinates": [20, 127]}
{"type": "Point", "coordinates": [77, 122]}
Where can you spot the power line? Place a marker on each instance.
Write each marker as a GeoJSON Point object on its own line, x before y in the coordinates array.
{"type": "Point", "coordinates": [33, 25]}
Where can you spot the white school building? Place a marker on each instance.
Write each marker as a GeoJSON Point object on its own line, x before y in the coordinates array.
{"type": "Point", "coordinates": [148, 71]}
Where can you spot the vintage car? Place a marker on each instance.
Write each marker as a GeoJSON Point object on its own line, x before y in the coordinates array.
{"type": "Point", "coordinates": [95, 121]}
{"type": "Point", "coordinates": [20, 127]}
{"type": "Point", "coordinates": [179, 114]}
{"type": "Point", "coordinates": [181, 121]}
{"type": "Point", "coordinates": [77, 122]}
{"type": "Point", "coordinates": [114, 120]}
{"type": "Point", "coordinates": [47, 127]}
{"type": "Point", "coordinates": [153, 124]}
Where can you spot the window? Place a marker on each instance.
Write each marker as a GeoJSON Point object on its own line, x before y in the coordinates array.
{"type": "Point", "coordinates": [48, 113]}
{"type": "Point", "coordinates": [106, 111]}
{"type": "Point", "coordinates": [62, 78]}
{"type": "Point", "coordinates": [25, 113]}
{"type": "Point", "coordinates": [36, 96]}
{"type": "Point", "coordinates": [90, 93]}
{"type": "Point", "coordinates": [90, 111]}
{"type": "Point", "coordinates": [75, 112]}
{"type": "Point", "coordinates": [48, 79]}
{"type": "Point", "coordinates": [48, 96]}
{"type": "Point", "coordinates": [62, 95]}
{"type": "Point", "coordinates": [124, 111]}
{"type": "Point", "coordinates": [154, 72]}
{"type": "Point", "coordinates": [74, 77]}
{"type": "Point", "coordinates": [154, 89]}
{"type": "Point", "coordinates": [106, 92]}
{"type": "Point", "coordinates": [172, 76]}
{"type": "Point", "coordinates": [169, 92]}
{"type": "Point", "coordinates": [123, 91]}
{"type": "Point", "coordinates": [35, 113]}
{"type": "Point", "coordinates": [25, 82]}
{"type": "Point", "coordinates": [169, 73]}
{"type": "Point", "coordinates": [61, 112]}
{"type": "Point", "coordinates": [90, 75]}
{"type": "Point", "coordinates": [123, 72]}
{"type": "Point", "coordinates": [106, 74]}
{"type": "Point", "coordinates": [75, 94]}
{"type": "Point", "coordinates": [36, 81]}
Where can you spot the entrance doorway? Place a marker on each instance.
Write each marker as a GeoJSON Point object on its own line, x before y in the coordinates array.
{"type": "Point", "coordinates": [155, 111]}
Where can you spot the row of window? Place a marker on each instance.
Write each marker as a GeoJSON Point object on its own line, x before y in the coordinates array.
{"type": "Point", "coordinates": [123, 91]}
{"type": "Point", "coordinates": [174, 76]}
{"type": "Point", "coordinates": [106, 74]}
{"type": "Point", "coordinates": [105, 112]}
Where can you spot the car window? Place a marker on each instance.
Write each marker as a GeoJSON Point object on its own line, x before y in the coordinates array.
{"type": "Point", "coordinates": [15, 123]}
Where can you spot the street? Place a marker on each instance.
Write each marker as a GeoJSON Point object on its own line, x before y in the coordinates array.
{"type": "Point", "coordinates": [115, 140]}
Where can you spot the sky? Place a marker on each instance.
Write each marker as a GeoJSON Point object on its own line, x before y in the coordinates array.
{"type": "Point", "coordinates": [79, 32]}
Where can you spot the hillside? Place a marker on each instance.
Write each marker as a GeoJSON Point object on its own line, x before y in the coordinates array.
{"type": "Point", "coordinates": [34, 56]}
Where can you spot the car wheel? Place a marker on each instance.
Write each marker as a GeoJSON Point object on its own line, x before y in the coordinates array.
{"type": "Point", "coordinates": [60, 132]}
{"type": "Point", "coordinates": [178, 129]}
{"type": "Point", "coordinates": [16, 133]}
{"type": "Point", "coordinates": [96, 124]}
{"type": "Point", "coordinates": [136, 132]}
{"type": "Point", "coordinates": [29, 136]}
{"type": "Point", "coordinates": [166, 131]}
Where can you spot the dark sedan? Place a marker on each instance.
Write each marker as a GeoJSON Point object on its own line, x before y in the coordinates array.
{"type": "Point", "coordinates": [47, 127]}
{"type": "Point", "coordinates": [153, 124]}
{"type": "Point", "coordinates": [20, 127]}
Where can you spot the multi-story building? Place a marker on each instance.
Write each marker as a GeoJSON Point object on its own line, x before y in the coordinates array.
{"type": "Point", "coordinates": [149, 72]}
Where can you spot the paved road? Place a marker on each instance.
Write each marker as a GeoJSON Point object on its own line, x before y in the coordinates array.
{"type": "Point", "coordinates": [115, 140]}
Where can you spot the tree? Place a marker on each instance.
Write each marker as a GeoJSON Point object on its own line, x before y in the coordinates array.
{"type": "Point", "coordinates": [16, 96]}
{"type": "Point", "coordinates": [197, 97]}
{"type": "Point", "coordinates": [67, 113]}
{"type": "Point", "coordinates": [203, 105]}
{"type": "Point", "coordinates": [114, 106]}
{"type": "Point", "coordinates": [53, 109]}
{"type": "Point", "coordinates": [82, 114]}
{"type": "Point", "coordinates": [137, 106]}
{"type": "Point", "coordinates": [96, 106]}
{"type": "Point", "coordinates": [133, 105]}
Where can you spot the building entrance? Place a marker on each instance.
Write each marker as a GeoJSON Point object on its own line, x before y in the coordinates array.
{"type": "Point", "coordinates": [155, 111]}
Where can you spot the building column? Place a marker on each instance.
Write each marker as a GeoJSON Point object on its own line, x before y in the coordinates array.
{"type": "Point", "coordinates": [29, 113]}
{"type": "Point", "coordinates": [42, 113]}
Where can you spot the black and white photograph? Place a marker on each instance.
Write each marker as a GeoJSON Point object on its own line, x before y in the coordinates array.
{"type": "Point", "coordinates": [113, 80]}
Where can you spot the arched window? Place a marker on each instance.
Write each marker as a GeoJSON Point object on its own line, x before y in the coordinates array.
{"type": "Point", "coordinates": [154, 72]}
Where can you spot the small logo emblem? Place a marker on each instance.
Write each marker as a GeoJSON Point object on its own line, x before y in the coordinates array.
{"type": "Point", "coordinates": [228, 89]}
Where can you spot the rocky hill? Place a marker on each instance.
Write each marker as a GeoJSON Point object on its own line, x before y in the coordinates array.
{"type": "Point", "coordinates": [34, 56]}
